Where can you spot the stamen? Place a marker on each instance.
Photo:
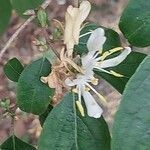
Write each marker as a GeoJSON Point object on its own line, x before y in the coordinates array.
{"type": "Point", "coordinates": [98, 94]}
{"type": "Point", "coordinates": [87, 89]}
{"type": "Point", "coordinates": [115, 49]}
{"type": "Point", "coordinates": [116, 74]}
{"type": "Point", "coordinates": [80, 107]}
{"type": "Point", "coordinates": [103, 70]}
{"type": "Point", "coordinates": [104, 55]}
{"type": "Point", "coordinates": [94, 81]}
{"type": "Point", "coordinates": [110, 72]}
{"type": "Point", "coordinates": [85, 34]}
{"type": "Point", "coordinates": [109, 52]}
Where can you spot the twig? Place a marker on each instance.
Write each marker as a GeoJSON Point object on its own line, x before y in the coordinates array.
{"type": "Point", "coordinates": [50, 44]}
{"type": "Point", "coordinates": [14, 36]}
{"type": "Point", "coordinates": [21, 28]}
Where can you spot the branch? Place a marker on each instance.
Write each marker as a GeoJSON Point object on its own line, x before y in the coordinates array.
{"type": "Point", "coordinates": [21, 28]}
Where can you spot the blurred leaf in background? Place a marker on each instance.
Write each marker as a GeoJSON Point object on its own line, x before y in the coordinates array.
{"type": "Point", "coordinates": [5, 14]}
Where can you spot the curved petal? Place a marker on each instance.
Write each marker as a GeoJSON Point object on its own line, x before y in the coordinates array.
{"type": "Point", "coordinates": [84, 11]}
{"type": "Point", "coordinates": [116, 60]}
{"type": "Point", "coordinates": [96, 40]}
{"type": "Point", "coordinates": [93, 109]}
{"type": "Point", "coordinates": [88, 63]}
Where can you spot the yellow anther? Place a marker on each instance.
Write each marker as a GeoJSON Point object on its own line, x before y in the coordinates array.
{"type": "Point", "coordinates": [116, 74]}
{"type": "Point", "coordinates": [104, 55]}
{"type": "Point", "coordinates": [94, 81]}
{"type": "Point", "coordinates": [115, 49]}
{"type": "Point", "coordinates": [80, 107]}
{"type": "Point", "coordinates": [108, 53]}
{"type": "Point", "coordinates": [87, 88]}
{"type": "Point", "coordinates": [75, 90]}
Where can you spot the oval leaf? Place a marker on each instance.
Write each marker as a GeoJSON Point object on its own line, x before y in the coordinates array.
{"type": "Point", "coordinates": [66, 130]}
{"type": "Point", "coordinates": [135, 23]}
{"type": "Point", "coordinates": [33, 95]}
{"type": "Point", "coordinates": [23, 5]}
{"type": "Point", "coordinates": [14, 143]}
{"type": "Point", "coordinates": [131, 129]}
{"type": "Point", "coordinates": [13, 69]}
{"type": "Point", "coordinates": [5, 14]}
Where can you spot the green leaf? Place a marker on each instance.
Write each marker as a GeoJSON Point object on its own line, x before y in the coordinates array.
{"type": "Point", "coordinates": [43, 116]}
{"type": "Point", "coordinates": [23, 5]}
{"type": "Point", "coordinates": [131, 129]}
{"type": "Point", "coordinates": [33, 96]}
{"type": "Point", "coordinates": [14, 143]}
{"type": "Point", "coordinates": [126, 68]}
{"type": "Point", "coordinates": [66, 129]}
{"type": "Point", "coordinates": [5, 14]}
{"type": "Point", "coordinates": [135, 23]}
{"type": "Point", "coordinates": [13, 69]}
{"type": "Point", "coordinates": [112, 41]}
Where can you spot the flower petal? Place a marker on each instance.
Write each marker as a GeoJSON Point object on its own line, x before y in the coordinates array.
{"type": "Point", "coordinates": [69, 82]}
{"type": "Point", "coordinates": [88, 59]}
{"type": "Point", "coordinates": [84, 11]}
{"type": "Point", "coordinates": [96, 40]}
{"type": "Point", "coordinates": [93, 109]}
{"type": "Point", "coordinates": [116, 60]}
{"type": "Point", "coordinates": [88, 63]}
{"type": "Point", "coordinates": [70, 18]}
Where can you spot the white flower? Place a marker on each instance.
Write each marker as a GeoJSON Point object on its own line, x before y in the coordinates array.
{"type": "Point", "coordinates": [83, 89]}
{"type": "Point", "coordinates": [74, 18]}
{"type": "Point", "coordinates": [92, 60]}
{"type": "Point", "coordinates": [96, 40]}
